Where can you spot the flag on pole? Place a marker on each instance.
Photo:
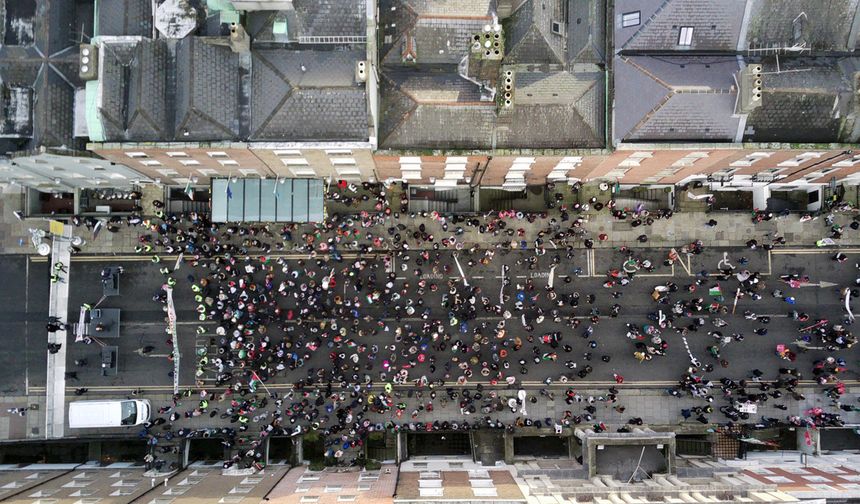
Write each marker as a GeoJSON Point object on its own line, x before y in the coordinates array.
{"type": "Point", "coordinates": [255, 382]}
{"type": "Point", "coordinates": [228, 190]}
{"type": "Point", "coordinates": [189, 191]}
{"type": "Point", "coordinates": [715, 290]}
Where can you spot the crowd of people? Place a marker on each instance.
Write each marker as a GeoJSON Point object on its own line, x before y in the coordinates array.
{"type": "Point", "coordinates": [373, 330]}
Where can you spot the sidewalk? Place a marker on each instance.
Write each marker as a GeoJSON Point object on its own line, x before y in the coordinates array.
{"type": "Point", "coordinates": [733, 229]}
{"type": "Point", "coordinates": [55, 393]}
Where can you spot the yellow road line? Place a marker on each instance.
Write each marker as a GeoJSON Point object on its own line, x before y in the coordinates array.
{"type": "Point", "coordinates": [815, 251]}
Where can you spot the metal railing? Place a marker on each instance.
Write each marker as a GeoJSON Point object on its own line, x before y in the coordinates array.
{"type": "Point", "coordinates": [333, 39]}
{"type": "Point", "coordinates": [171, 316]}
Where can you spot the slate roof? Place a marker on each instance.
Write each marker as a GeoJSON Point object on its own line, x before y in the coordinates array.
{"type": "Point", "coordinates": [437, 40]}
{"type": "Point", "coordinates": [321, 103]}
{"type": "Point", "coordinates": [555, 109]}
{"type": "Point", "coordinates": [114, 76]}
{"type": "Point", "coordinates": [311, 18]}
{"type": "Point", "coordinates": [817, 93]}
{"type": "Point", "coordinates": [716, 24]}
{"type": "Point", "coordinates": [148, 114]}
{"type": "Point", "coordinates": [190, 90]}
{"type": "Point", "coordinates": [462, 8]}
{"type": "Point", "coordinates": [431, 103]}
{"type": "Point", "coordinates": [408, 124]}
{"type": "Point", "coordinates": [434, 87]}
{"type": "Point", "coordinates": [331, 17]}
{"type": "Point", "coordinates": [207, 91]}
{"type": "Point", "coordinates": [665, 92]}
{"type": "Point", "coordinates": [586, 36]}
{"type": "Point", "coordinates": [38, 57]}
{"type": "Point", "coordinates": [821, 25]}
{"type": "Point", "coordinates": [125, 17]}
{"type": "Point", "coordinates": [528, 34]}
{"type": "Point", "coordinates": [674, 98]}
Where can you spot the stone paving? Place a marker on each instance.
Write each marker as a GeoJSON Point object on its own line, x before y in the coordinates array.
{"type": "Point", "coordinates": [733, 229]}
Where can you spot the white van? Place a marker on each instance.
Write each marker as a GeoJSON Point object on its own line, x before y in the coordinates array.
{"type": "Point", "coordinates": [117, 413]}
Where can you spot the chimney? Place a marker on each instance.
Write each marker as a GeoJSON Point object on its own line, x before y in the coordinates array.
{"type": "Point", "coordinates": [240, 42]}
{"type": "Point", "coordinates": [487, 51]}
{"type": "Point", "coordinates": [750, 88]}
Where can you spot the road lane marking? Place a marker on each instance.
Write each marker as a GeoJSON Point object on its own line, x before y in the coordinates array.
{"type": "Point", "coordinates": [580, 384]}
{"type": "Point", "coordinates": [832, 250]}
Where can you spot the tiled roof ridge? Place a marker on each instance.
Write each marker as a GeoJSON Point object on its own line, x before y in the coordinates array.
{"type": "Point", "coordinates": [286, 97]}
{"type": "Point", "coordinates": [453, 17]}
{"type": "Point", "coordinates": [271, 116]}
{"type": "Point", "coordinates": [647, 72]}
{"type": "Point", "coordinates": [646, 24]}
{"type": "Point", "coordinates": [812, 91]}
{"type": "Point", "coordinates": [147, 119]}
{"type": "Point", "coordinates": [647, 117]}
{"type": "Point", "coordinates": [292, 84]}
{"type": "Point", "coordinates": [62, 76]}
{"type": "Point", "coordinates": [207, 117]}
{"type": "Point", "coordinates": [563, 47]}
{"type": "Point", "coordinates": [594, 134]}
{"type": "Point", "coordinates": [408, 113]}
{"type": "Point", "coordinates": [444, 103]}
{"type": "Point", "coordinates": [576, 108]}
{"type": "Point", "coordinates": [192, 107]}
{"type": "Point", "coordinates": [398, 88]}
{"type": "Point", "coordinates": [395, 42]}
{"type": "Point", "coordinates": [106, 115]}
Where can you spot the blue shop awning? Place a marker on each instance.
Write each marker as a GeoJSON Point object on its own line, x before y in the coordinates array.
{"type": "Point", "coordinates": [265, 200]}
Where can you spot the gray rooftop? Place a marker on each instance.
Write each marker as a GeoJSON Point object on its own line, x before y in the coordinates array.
{"type": "Point", "coordinates": [437, 40]}
{"type": "Point", "coordinates": [817, 93]}
{"type": "Point", "coordinates": [38, 72]}
{"type": "Point", "coordinates": [668, 92]}
{"type": "Point", "coordinates": [125, 17]}
{"type": "Point", "coordinates": [529, 37]}
{"type": "Point", "coordinates": [719, 25]}
{"type": "Point", "coordinates": [310, 18]}
{"type": "Point", "coordinates": [293, 94]}
{"type": "Point", "coordinates": [586, 37]}
{"type": "Point", "coordinates": [552, 109]}
{"type": "Point", "coordinates": [207, 91]}
{"type": "Point", "coordinates": [674, 98]}
{"type": "Point", "coordinates": [820, 25]}
{"type": "Point", "coordinates": [716, 24]}
{"type": "Point", "coordinates": [323, 102]}
{"type": "Point", "coordinates": [465, 8]}
{"type": "Point", "coordinates": [432, 103]}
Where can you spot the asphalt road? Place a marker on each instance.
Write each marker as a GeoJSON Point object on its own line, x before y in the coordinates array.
{"type": "Point", "coordinates": [143, 320]}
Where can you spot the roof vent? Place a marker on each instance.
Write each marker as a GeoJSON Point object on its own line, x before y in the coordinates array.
{"type": "Point", "coordinates": [361, 71]}
{"type": "Point", "coordinates": [508, 89]}
{"type": "Point", "coordinates": [88, 62]}
{"type": "Point", "coordinates": [750, 92]}
{"type": "Point", "coordinates": [240, 42]}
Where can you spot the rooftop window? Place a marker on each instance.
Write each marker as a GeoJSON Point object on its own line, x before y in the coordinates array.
{"type": "Point", "coordinates": [685, 36]}
{"type": "Point", "coordinates": [629, 19]}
